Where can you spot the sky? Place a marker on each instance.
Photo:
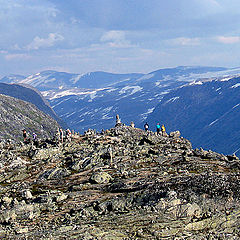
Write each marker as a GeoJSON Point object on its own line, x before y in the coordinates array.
{"type": "Point", "coordinates": [119, 36]}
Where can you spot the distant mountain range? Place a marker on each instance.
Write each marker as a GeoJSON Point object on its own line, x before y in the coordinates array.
{"type": "Point", "coordinates": [92, 100]}
{"type": "Point", "coordinates": [206, 112]}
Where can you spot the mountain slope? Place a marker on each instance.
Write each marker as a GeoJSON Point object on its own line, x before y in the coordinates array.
{"type": "Point", "coordinates": [29, 94]}
{"type": "Point", "coordinates": [207, 113]}
{"type": "Point", "coordinates": [17, 115]}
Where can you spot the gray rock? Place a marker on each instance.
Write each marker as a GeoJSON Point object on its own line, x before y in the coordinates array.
{"type": "Point", "coordinates": [100, 177]}
{"type": "Point", "coordinates": [175, 134]}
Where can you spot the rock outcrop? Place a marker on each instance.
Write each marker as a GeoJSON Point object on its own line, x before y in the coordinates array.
{"type": "Point", "coordinates": [123, 183]}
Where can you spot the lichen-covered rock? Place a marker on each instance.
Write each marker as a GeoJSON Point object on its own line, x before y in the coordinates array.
{"type": "Point", "coordinates": [100, 177]}
{"type": "Point", "coordinates": [175, 134]}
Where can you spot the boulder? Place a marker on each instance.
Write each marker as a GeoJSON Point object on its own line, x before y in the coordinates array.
{"type": "Point", "coordinates": [175, 134]}
{"type": "Point", "coordinates": [100, 177]}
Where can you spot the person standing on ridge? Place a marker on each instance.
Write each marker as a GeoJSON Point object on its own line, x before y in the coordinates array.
{"type": "Point", "coordinates": [146, 126]}
{"type": "Point", "coordinates": [34, 136]}
{"type": "Point", "coordinates": [61, 135]}
{"type": "Point", "coordinates": [118, 121]}
{"type": "Point", "coordinates": [163, 129]}
{"type": "Point", "coordinates": [158, 128]}
{"type": "Point", "coordinates": [24, 135]}
{"type": "Point", "coordinates": [69, 135]}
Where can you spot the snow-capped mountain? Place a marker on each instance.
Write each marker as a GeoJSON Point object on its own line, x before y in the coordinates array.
{"type": "Point", "coordinates": [132, 98]}
{"type": "Point", "coordinates": [97, 109]}
{"type": "Point", "coordinates": [206, 112]}
{"type": "Point", "coordinates": [92, 100]}
{"type": "Point", "coordinates": [61, 81]}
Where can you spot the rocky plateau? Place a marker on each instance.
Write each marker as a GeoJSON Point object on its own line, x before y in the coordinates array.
{"type": "Point", "coordinates": [121, 183]}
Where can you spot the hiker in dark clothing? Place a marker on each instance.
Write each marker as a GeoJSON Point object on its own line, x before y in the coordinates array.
{"type": "Point", "coordinates": [146, 126]}
{"type": "Point", "coordinates": [24, 135]}
{"type": "Point", "coordinates": [158, 128]}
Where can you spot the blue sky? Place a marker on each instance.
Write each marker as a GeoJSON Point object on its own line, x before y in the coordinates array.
{"type": "Point", "coordinates": [117, 35]}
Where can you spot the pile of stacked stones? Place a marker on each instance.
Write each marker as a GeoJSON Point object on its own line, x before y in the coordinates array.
{"type": "Point", "coordinates": [122, 183]}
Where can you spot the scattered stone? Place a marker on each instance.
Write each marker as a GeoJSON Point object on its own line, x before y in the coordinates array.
{"type": "Point", "coordinates": [27, 194]}
{"type": "Point", "coordinates": [122, 183]}
{"type": "Point", "coordinates": [100, 177]}
{"type": "Point", "coordinates": [175, 134]}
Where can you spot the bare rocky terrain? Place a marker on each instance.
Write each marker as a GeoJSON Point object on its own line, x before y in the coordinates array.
{"type": "Point", "coordinates": [16, 115]}
{"type": "Point", "coordinates": [122, 183]}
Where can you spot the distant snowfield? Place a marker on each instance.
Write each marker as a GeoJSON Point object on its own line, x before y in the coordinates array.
{"type": "Point", "coordinates": [35, 80]}
{"type": "Point", "coordinates": [171, 100]}
{"type": "Point", "coordinates": [236, 85]}
{"type": "Point", "coordinates": [145, 115]}
{"type": "Point", "coordinates": [224, 75]}
{"type": "Point", "coordinates": [54, 95]}
{"type": "Point", "coordinates": [133, 88]}
{"type": "Point", "coordinates": [69, 92]}
{"type": "Point", "coordinates": [196, 83]}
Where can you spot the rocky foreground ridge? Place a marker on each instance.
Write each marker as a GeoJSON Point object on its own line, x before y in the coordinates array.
{"type": "Point", "coordinates": [123, 183]}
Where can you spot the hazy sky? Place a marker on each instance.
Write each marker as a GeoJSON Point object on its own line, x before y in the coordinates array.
{"type": "Point", "coordinates": [117, 35]}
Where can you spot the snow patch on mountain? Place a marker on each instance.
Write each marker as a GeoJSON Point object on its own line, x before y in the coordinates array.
{"type": "Point", "coordinates": [34, 80]}
{"type": "Point", "coordinates": [225, 114]}
{"type": "Point", "coordinates": [225, 79]}
{"type": "Point", "coordinates": [69, 115]}
{"type": "Point", "coordinates": [145, 115]}
{"type": "Point", "coordinates": [133, 88]}
{"type": "Point", "coordinates": [196, 83]}
{"type": "Point", "coordinates": [74, 80]}
{"type": "Point", "coordinates": [104, 117]}
{"type": "Point", "coordinates": [213, 122]}
{"type": "Point", "coordinates": [172, 100]}
{"type": "Point", "coordinates": [92, 96]}
{"type": "Point", "coordinates": [54, 95]}
{"type": "Point", "coordinates": [64, 100]}
{"type": "Point", "coordinates": [112, 90]}
{"type": "Point", "coordinates": [108, 109]}
{"type": "Point", "coordinates": [236, 85]}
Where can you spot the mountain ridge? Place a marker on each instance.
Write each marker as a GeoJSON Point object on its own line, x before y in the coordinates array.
{"type": "Point", "coordinates": [17, 115]}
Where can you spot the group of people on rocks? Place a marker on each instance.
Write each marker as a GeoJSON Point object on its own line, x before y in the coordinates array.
{"type": "Point", "coordinates": [159, 129]}
{"type": "Point", "coordinates": [60, 136]}
{"type": "Point", "coordinates": [27, 139]}
{"type": "Point", "coordinates": [68, 133]}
